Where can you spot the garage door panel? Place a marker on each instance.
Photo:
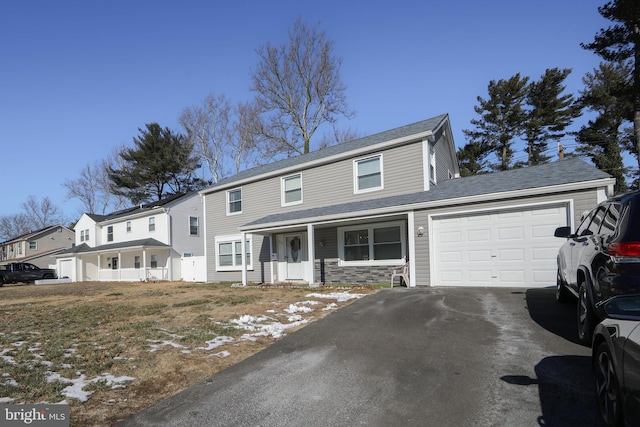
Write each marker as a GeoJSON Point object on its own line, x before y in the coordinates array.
{"type": "Point", "coordinates": [508, 247]}
{"type": "Point", "coordinates": [510, 233]}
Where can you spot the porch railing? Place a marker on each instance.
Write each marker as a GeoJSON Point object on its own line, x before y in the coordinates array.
{"type": "Point", "coordinates": [133, 274]}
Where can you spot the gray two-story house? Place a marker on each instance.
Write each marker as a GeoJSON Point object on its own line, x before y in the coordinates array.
{"type": "Point", "coordinates": [353, 212]}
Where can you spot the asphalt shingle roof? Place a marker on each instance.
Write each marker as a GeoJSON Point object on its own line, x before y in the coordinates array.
{"type": "Point", "coordinates": [114, 246]}
{"type": "Point", "coordinates": [403, 131]}
{"type": "Point", "coordinates": [549, 174]}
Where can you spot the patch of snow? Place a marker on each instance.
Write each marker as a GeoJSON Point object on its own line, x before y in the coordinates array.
{"type": "Point", "coordinates": [157, 344]}
{"type": "Point", "coordinates": [216, 342]}
{"type": "Point", "coordinates": [76, 389]}
{"type": "Point", "coordinates": [222, 354]}
{"type": "Point", "coordinates": [339, 296]}
{"type": "Point", "coordinates": [293, 308]}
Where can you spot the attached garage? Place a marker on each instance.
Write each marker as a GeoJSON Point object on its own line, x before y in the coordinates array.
{"type": "Point", "coordinates": [510, 247]}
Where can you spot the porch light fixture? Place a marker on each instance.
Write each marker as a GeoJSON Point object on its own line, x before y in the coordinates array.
{"type": "Point", "coordinates": [420, 231]}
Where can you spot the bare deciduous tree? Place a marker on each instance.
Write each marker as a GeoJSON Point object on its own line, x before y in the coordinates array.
{"type": "Point", "coordinates": [12, 226]}
{"type": "Point", "coordinates": [208, 128]}
{"type": "Point", "coordinates": [92, 187]}
{"type": "Point", "coordinates": [42, 213]}
{"type": "Point", "coordinates": [298, 89]}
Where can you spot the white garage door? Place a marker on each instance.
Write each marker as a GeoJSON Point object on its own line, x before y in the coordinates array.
{"type": "Point", "coordinates": [508, 247]}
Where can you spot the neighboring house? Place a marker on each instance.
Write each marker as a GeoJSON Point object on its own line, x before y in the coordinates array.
{"type": "Point", "coordinates": [353, 212]}
{"type": "Point", "coordinates": [148, 242]}
{"type": "Point", "coordinates": [37, 247]}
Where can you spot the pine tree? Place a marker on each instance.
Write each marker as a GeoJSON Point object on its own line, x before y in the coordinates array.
{"type": "Point", "coordinates": [549, 114]}
{"type": "Point", "coordinates": [502, 120]}
{"type": "Point", "coordinates": [605, 93]}
{"type": "Point", "coordinates": [621, 43]}
{"type": "Point", "coordinates": [160, 163]}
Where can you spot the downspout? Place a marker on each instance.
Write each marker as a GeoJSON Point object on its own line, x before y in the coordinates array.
{"type": "Point", "coordinates": [311, 268]}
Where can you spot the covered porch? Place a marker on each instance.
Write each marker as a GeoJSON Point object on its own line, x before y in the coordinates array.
{"type": "Point", "coordinates": [142, 260]}
{"type": "Point", "coordinates": [356, 249]}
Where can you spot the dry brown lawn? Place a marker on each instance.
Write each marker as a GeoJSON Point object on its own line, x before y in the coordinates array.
{"type": "Point", "coordinates": [159, 336]}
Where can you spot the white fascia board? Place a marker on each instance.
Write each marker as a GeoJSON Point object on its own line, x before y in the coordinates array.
{"type": "Point", "coordinates": [151, 212]}
{"type": "Point", "coordinates": [394, 210]}
{"type": "Point", "coordinates": [319, 162]}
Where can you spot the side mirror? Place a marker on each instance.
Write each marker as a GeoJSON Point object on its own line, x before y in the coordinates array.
{"type": "Point", "coordinates": [563, 232]}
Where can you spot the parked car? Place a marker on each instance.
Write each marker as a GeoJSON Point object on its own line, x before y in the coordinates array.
{"type": "Point", "coordinates": [616, 362]}
{"type": "Point", "coordinates": [601, 259]}
{"type": "Point", "coordinates": [17, 272]}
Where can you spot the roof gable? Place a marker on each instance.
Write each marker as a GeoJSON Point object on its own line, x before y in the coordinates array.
{"type": "Point", "coordinates": [424, 127]}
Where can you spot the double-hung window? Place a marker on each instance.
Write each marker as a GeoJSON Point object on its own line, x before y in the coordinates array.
{"type": "Point", "coordinates": [33, 245]}
{"type": "Point", "coordinates": [229, 253]}
{"type": "Point", "coordinates": [291, 190]}
{"type": "Point", "coordinates": [234, 201]}
{"type": "Point", "coordinates": [110, 233]}
{"type": "Point", "coordinates": [152, 223]}
{"type": "Point", "coordinates": [193, 225]}
{"type": "Point", "coordinates": [372, 244]}
{"type": "Point", "coordinates": [367, 174]}
{"type": "Point", "coordinates": [82, 235]}
{"type": "Point", "coordinates": [128, 226]}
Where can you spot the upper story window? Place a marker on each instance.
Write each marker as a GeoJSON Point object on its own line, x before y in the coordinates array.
{"type": "Point", "coordinates": [82, 235]}
{"type": "Point", "coordinates": [432, 163]}
{"type": "Point", "coordinates": [110, 233]}
{"type": "Point", "coordinates": [193, 226]}
{"type": "Point", "coordinates": [86, 234]}
{"type": "Point", "coordinates": [234, 201]}
{"type": "Point", "coordinates": [292, 190]}
{"type": "Point", "coordinates": [33, 245]}
{"type": "Point", "coordinates": [128, 226]}
{"type": "Point", "coordinates": [367, 174]}
{"type": "Point", "coordinates": [152, 223]}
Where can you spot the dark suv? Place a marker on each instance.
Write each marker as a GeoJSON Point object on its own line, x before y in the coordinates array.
{"type": "Point", "coordinates": [600, 260]}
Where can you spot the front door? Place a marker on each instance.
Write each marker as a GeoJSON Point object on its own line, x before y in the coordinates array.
{"type": "Point", "coordinates": [294, 256]}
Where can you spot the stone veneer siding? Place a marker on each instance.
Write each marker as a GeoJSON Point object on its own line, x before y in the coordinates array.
{"type": "Point", "coordinates": [328, 271]}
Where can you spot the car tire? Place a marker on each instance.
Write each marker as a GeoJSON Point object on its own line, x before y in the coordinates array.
{"type": "Point", "coordinates": [586, 318]}
{"type": "Point", "coordinates": [607, 387]}
{"type": "Point", "coordinates": [562, 293]}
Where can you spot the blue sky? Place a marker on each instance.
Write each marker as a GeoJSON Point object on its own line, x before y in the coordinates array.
{"type": "Point", "coordinates": [78, 78]}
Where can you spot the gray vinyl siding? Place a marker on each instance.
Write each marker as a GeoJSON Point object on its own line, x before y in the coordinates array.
{"type": "Point", "coordinates": [324, 185]}
{"type": "Point", "coordinates": [583, 200]}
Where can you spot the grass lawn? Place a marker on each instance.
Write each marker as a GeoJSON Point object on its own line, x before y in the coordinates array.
{"type": "Point", "coordinates": [112, 349]}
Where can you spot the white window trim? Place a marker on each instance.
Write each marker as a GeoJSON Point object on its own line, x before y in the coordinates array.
{"type": "Point", "coordinates": [371, 227]}
{"type": "Point", "coordinates": [197, 226]}
{"type": "Point", "coordinates": [233, 239]}
{"type": "Point", "coordinates": [149, 224]}
{"type": "Point", "coordinates": [357, 190]}
{"type": "Point", "coordinates": [282, 191]}
{"type": "Point", "coordinates": [431, 153]}
{"type": "Point", "coordinates": [427, 159]}
{"type": "Point", "coordinates": [229, 202]}
{"type": "Point", "coordinates": [128, 226]}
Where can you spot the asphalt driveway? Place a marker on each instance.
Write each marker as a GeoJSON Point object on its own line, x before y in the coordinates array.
{"type": "Point", "coordinates": [422, 357]}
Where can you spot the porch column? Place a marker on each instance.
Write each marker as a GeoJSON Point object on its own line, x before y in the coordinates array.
{"type": "Point", "coordinates": [144, 264]}
{"type": "Point", "coordinates": [99, 265]}
{"type": "Point", "coordinates": [243, 236]}
{"type": "Point", "coordinates": [271, 257]}
{"type": "Point", "coordinates": [119, 265]}
{"type": "Point", "coordinates": [311, 267]}
{"type": "Point", "coordinates": [411, 229]}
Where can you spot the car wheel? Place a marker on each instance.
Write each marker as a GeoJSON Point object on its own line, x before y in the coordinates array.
{"type": "Point", "coordinates": [607, 389]}
{"type": "Point", "coordinates": [562, 293]}
{"type": "Point", "coordinates": [585, 316]}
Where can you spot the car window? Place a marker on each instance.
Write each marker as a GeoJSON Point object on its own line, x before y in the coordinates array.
{"type": "Point", "coordinates": [610, 219]}
{"type": "Point", "coordinates": [582, 228]}
{"type": "Point", "coordinates": [596, 221]}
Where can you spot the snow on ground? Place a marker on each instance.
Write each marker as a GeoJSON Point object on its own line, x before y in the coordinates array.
{"type": "Point", "coordinates": [255, 326]}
